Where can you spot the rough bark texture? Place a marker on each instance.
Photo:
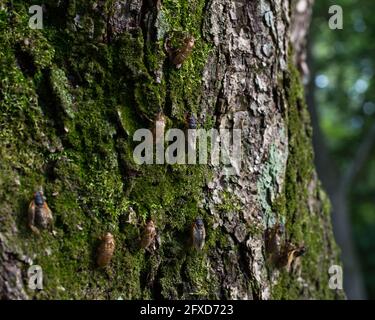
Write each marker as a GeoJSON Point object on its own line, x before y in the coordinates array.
{"type": "Point", "coordinates": [72, 96]}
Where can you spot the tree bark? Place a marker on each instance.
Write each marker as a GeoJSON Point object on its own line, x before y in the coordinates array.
{"type": "Point", "coordinates": [74, 93]}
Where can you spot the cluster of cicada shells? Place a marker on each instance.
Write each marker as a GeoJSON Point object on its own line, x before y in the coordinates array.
{"type": "Point", "coordinates": [40, 217]}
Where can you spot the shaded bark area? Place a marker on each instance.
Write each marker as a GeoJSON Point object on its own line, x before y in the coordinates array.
{"type": "Point", "coordinates": [100, 71]}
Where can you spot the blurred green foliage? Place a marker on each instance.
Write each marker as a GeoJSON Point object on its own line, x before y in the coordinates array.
{"type": "Point", "coordinates": [343, 69]}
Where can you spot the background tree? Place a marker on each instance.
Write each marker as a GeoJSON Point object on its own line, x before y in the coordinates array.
{"type": "Point", "coordinates": [343, 120]}
{"type": "Point", "coordinates": [73, 94]}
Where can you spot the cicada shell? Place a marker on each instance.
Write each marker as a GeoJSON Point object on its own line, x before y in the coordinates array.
{"type": "Point", "coordinates": [178, 55]}
{"type": "Point", "coordinates": [198, 234]}
{"type": "Point", "coordinates": [294, 255]}
{"type": "Point", "coordinates": [39, 214]}
{"type": "Point", "coordinates": [273, 241]}
{"type": "Point", "coordinates": [106, 250]}
{"type": "Point", "coordinates": [148, 234]}
{"type": "Point", "coordinates": [191, 121]}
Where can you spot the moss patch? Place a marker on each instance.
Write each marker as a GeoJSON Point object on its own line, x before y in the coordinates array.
{"type": "Point", "coordinates": [302, 226]}
{"type": "Point", "coordinates": [67, 121]}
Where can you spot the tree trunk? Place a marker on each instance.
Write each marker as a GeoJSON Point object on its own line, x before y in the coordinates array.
{"type": "Point", "coordinates": [74, 93]}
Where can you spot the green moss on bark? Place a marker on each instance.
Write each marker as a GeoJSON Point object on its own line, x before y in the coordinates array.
{"type": "Point", "coordinates": [68, 126]}
{"type": "Point", "coordinates": [303, 227]}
